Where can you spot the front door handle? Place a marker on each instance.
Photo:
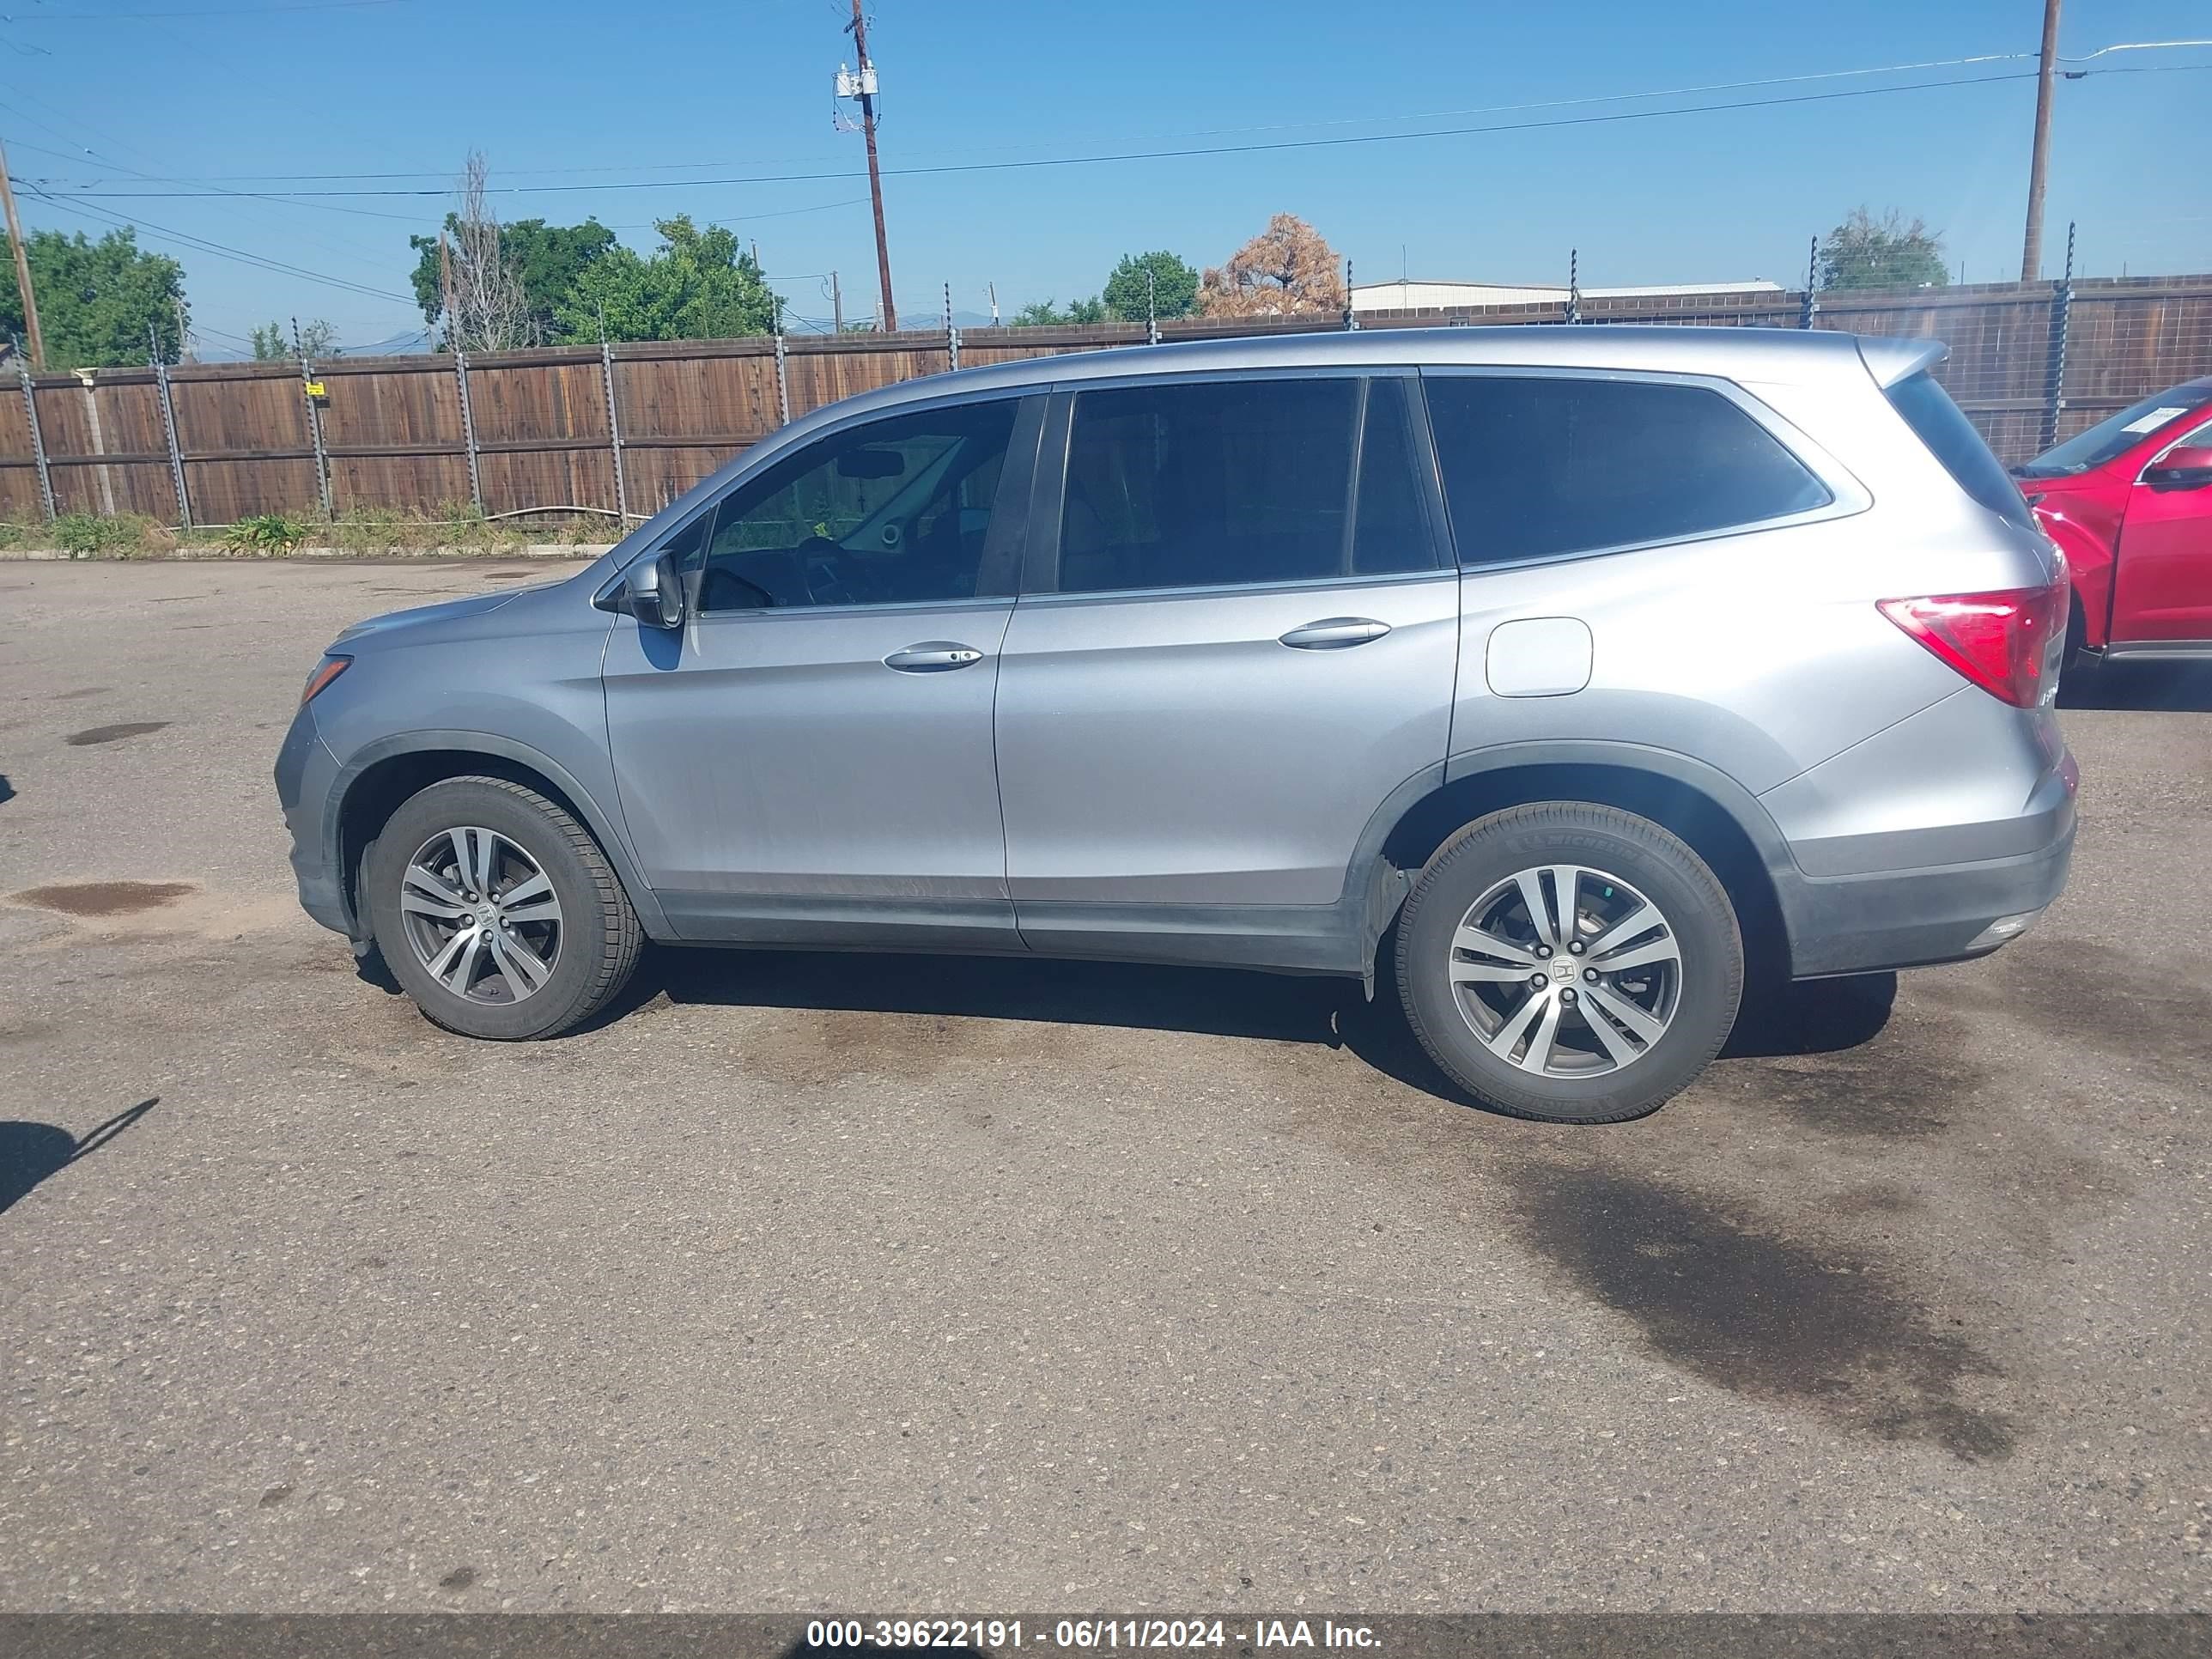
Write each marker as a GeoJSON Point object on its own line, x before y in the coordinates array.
{"type": "Point", "coordinates": [1335, 633]}
{"type": "Point", "coordinates": [932, 657]}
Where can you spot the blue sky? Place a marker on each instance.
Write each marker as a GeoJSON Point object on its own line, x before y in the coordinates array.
{"type": "Point", "coordinates": [232, 91]}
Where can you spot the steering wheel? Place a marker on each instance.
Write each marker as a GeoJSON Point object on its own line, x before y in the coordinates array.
{"type": "Point", "coordinates": [822, 567]}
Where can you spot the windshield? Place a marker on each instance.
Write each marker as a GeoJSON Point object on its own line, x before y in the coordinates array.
{"type": "Point", "coordinates": [2117, 434]}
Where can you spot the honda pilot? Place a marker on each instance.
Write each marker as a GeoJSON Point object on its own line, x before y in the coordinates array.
{"type": "Point", "coordinates": [1565, 678]}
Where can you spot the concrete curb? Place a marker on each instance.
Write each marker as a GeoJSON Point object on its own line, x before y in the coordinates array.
{"type": "Point", "coordinates": [223, 555]}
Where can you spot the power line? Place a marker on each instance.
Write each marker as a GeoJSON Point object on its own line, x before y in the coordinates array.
{"type": "Point", "coordinates": [1281, 126]}
{"type": "Point", "coordinates": [1210, 132]}
{"type": "Point", "coordinates": [1187, 153]}
{"type": "Point", "coordinates": [223, 251]}
{"type": "Point", "coordinates": [212, 11]}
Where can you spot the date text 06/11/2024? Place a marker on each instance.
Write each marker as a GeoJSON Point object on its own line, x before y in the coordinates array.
{"type": "Point", "coordinates": [1086, 1634]}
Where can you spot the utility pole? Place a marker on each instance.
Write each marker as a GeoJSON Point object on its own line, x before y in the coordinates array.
{"type": "Point", "coordinates": [837, 303]}
{"type": "Point", "coordinates": [23, 259]}
{"type": "Point", "coordinates": [2031, 252]}
{"type": "Point", "coordinates": [866, 81]}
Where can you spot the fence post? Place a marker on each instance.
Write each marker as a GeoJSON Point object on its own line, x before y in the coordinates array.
{"type": "Point", "coordinates": [169, 434]}
{"type": "Point", "coordinates": [614, 432]}
{"type": "Point", "coordinates": [2062, 314]}
{"type": "Point", "coordinates": [37, 440]}
{"type": "Point", "coordinates": [1574, 285]}
{"type": "Point", "coordinates": [314, 422]}
{"type": "Point", "coordinates": [469, 428]}
{"type": "Point", "coordinates": [951, 334]}
{"type": "Point", "coordinates": [1809, 307]}
{"type": "Point", "coordinates": [102, 479]}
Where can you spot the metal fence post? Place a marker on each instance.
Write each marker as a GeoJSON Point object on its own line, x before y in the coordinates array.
{"type": "Point", "coordinates": [314, 425]}
{"type": "Point", "coordinates": [782, 387]}
{"type": "Point", "coordinates": [614, 432]}
{"type": "Point", "coordinates": [951, 334]}
{"type": "Point", "coordinates": [1574, 285]}
{"type": "Point", "coordinates": [37, 440]}
{"type": "Point", "coordinates": [2061, 315]}
{"type": "Point", "coordinates": [469, 430]}
{"type": "Point", "coordinates": [1809, 307]}
{"type": "Point", "coordinates": [169, 433]}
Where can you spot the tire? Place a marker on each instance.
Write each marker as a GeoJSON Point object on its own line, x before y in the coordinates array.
{"type": "Point", "coordinates": [585, 950]}
{"type": "Point", "coordinates": [1621, 1045]}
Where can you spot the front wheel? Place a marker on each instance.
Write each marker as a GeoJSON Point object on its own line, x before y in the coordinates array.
{"type": "Point", "coordinates": [1569, 962]}
{"type": "Point", "coordinates": [497, 912]}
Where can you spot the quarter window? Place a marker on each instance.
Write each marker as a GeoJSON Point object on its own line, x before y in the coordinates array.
{"type": "Point", "coordinates": [1536, 467]}
{"type": "Point", "coordinates": [892, 511]}
{"type": "Point", "coordinates": [1211, 483]}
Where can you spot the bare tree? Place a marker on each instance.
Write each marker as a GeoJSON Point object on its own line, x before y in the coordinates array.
{"type": "Point", "coordinates": [485, 307]}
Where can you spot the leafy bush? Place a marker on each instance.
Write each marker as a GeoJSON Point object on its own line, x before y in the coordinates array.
{"type": "Point", "coordinates": [266, 535]}
{"type": "Point", "coordinates": [101, 536]}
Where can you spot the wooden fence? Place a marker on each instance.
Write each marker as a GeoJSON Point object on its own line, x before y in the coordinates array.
{"type": "Point", "coordinates": [623, 430]}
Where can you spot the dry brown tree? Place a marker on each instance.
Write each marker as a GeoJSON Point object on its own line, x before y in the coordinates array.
{"type": "Point", "coordinates": [1286, 270]}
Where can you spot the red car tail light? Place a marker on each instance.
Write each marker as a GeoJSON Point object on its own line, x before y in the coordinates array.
{"type": "Point", "coordinates": [2003, 640]}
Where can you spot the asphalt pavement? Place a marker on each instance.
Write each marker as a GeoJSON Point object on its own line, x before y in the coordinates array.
{"type": "Point", "coordinates": [849, 1282]}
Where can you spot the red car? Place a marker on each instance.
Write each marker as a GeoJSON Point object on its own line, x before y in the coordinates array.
{"type": "Point", "coordinates": [2129, 501]}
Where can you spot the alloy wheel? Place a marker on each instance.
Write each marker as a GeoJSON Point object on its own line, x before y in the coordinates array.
{"type": "Point", "coordinates": [481, 916]}
{"type": "Point", "coordinates": [1563, 970]}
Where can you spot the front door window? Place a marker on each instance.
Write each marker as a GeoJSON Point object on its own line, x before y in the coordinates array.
{"type": "Point", "coordinates": [892, 511]}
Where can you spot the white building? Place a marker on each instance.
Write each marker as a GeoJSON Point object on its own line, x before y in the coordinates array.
{"type": "Point", "coordinates": [1408, 295]}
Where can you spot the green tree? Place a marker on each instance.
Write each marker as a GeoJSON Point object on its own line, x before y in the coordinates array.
{"type": "Point", "coordinates": [1044, 313]}
{"type": "Point", "coordinates": [699, 286]}
{"type": "Point", "coordinates": [548, 259]}
{"type": "Point", "coordinates": [1175, 285]}
{"type": "Point", "coordinates": [273, 340]}
{"type": "Point", "coordinates": [97, 301]}
{"type": "Point", "coordinates": [1864, 251]}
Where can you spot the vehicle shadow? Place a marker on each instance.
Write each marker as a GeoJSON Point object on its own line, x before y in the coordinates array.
{"type": "Point", "coordinates": [1817, 1016]}
{"type": "Point", "coordinates": [29, 1152]}
{"type": "Point", "coordinates": [7, 790]}
{"type": "Point", "coordinates": [2170, 687]}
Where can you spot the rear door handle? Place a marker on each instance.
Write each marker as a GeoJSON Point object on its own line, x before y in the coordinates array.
{"type": "Point", "coordinates": [1335, 633]}
{"type": "Point", "coordinates": [932, 657]}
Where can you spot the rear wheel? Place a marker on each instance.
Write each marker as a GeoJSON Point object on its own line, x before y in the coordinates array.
{"type": "Point", "coordinates": [497, 912]}
{"type": "Point", "coordinates": [1569, 962]}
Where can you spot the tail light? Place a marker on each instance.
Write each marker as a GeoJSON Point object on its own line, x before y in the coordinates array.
{"type": "Point", "coordinates": [2008, 642]}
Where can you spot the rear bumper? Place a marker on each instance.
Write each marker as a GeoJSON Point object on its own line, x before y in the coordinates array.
{"type": "Point", "coordinates": [1911, 918]}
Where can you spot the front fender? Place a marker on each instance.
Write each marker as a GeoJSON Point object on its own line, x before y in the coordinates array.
{"type": "Point", "coordinates": [605, 827]}
{"type": "Point", "coordinates": [2088, 547]}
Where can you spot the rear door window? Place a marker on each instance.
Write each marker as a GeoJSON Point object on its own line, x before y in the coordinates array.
{"type": "Point", "coordinates": [1538, 467]}
{"type": "Point", "coordinates": [1232, 482]}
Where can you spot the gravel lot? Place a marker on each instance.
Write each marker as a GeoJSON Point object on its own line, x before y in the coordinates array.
{"type": "Point", "coordinates": [913, 1283]}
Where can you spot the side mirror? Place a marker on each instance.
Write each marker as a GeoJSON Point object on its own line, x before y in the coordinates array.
{"type": "Point", "coordinates": [653, 591]}
{"type": "Point", "coordinates": [2188, 466]}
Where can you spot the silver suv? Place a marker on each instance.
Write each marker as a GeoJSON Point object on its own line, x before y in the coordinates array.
{"type": "Point", "coordinates": [1571, 678]}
